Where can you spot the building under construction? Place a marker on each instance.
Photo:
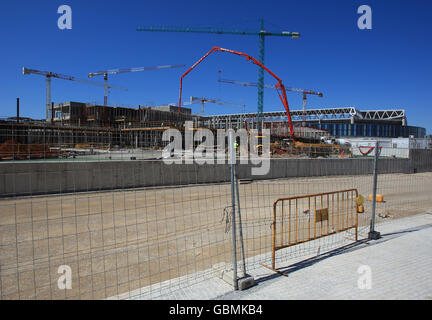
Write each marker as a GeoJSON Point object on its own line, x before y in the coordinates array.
{"type": "Point", "coordinates": [82, 125]}
{"type": "Point", "coordinates": [88, 115]}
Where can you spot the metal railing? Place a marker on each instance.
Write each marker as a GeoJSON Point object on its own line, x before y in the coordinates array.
{"type": "Point", "coordinates": [314, 216]}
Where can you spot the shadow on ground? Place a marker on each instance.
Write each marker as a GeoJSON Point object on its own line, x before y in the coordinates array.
{"type": "Point", "coordinates": [285, 271]}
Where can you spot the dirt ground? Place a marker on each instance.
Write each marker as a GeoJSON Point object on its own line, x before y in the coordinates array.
{"type": "Point", "coordinates": [115, 242]}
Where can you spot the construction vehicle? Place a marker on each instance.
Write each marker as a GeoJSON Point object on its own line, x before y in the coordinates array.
{"type": "Point", "coordinates": [105, 73]}
{"type": "Point", "coordinates": [305, 92]}
{"type": "Point", "coordinates": [279, 86]}
{"type": "Point", "coordinates": [261, 33]}
{"type": "Point", "coordinates": [301, 145]}
{"type": "Point", "coordinates": [289, 142]}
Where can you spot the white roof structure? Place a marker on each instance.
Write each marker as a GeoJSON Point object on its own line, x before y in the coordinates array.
{"type": "Point", "coordinates": [321, 114]}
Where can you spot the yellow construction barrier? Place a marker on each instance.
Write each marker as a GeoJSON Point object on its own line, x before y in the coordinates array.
{"type": "Point", "coordinates": [301, 219]}
{"type": "Point", "coordinates": [379, 198]}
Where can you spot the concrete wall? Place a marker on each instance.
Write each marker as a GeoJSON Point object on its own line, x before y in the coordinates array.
{"type": "Point", "coordinates": [421, 160]}
{"type": "Point", "coordinates": [38, 178]}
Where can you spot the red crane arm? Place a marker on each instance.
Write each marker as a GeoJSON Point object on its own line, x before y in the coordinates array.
{"type": "Point", "coordinates": [279, 85]}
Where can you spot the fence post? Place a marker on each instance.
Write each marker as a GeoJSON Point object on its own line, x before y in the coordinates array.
{"type": "Point", "coordinates": [240, 221]}
{"type": "Point", "coordinates": [373, 235]}
{"type": "Point", "coordinates": [232, 160]}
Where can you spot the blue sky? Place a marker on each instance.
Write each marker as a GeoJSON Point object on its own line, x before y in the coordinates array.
{"type": "Point", "coordinates": [383, 68]}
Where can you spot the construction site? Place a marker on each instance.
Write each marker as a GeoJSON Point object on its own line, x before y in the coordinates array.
{"type": "Point", "coordinates": [89, 187]}
{"type": "Point", "coordinates": [76, 129]}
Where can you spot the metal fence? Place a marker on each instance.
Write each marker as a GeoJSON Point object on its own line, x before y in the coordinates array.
{"type": "Point", "coordinates": [98, 229]}
{"type": "Point", "coordinates": [305, 218]}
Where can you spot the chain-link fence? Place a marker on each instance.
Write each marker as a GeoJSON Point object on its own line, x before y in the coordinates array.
{"type": "Point", "coordinates": [130, 227]}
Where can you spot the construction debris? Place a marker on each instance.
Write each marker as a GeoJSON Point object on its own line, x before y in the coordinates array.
{"type": "Point", "coordinates": [13, 150]}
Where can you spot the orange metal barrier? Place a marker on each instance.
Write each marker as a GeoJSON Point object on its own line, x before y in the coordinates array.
{"type": "Point", "coordinates": [300, 219]}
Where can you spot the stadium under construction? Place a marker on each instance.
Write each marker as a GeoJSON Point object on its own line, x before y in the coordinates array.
{"type": "Point", "coordinates": [74, 124]}
{"type": "Point", "coordinates": [338, 122]}
{"type": "Point", "coordinates": [77, 125]}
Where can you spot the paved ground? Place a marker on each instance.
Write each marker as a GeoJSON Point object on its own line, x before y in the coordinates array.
{"type": "Point", "coordinates": [400, 267]}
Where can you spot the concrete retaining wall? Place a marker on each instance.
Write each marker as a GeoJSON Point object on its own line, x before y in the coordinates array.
{"type": "Point", "coordinates": [421, 160]}
{"type": "Point", "coordinates": [38, 178]}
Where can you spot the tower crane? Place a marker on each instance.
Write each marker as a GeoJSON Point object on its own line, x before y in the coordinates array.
{"type": "Point", "coordinates": [305, 92]}
{"type": "Point", "coordinates": [196, 100]}
{"type": "Point", "coordinates": [50, 75]}
{"type": "Point", "coordinates": [229, 104]}
{"type": "Point", "coordinates": [105, 73]}
{"type": "Point", "coordinates": [261, 33]}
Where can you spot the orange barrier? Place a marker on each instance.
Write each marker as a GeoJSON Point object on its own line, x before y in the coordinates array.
{"type": "Point", "coordinates": [379, 198]}
{"type": "Point", "coordinates": [301, 219]}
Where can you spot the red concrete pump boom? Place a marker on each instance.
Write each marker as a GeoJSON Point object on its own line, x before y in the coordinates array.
{"type": "Point", "coordinates": [279, 86]}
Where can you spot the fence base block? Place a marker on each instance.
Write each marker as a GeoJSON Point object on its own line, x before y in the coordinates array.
{"type": "Point", "coordinates": [243, 281]}
{"type": "Point", "coordinates": [226, 273]}
{"type": "Point", "coordinates": [374, 235]}
{"type": "Point", "coordinates": [246, 282]}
